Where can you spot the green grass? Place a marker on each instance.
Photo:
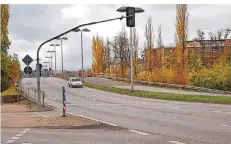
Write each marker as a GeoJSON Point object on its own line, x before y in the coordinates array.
{"type": "Point", "coordinates": [164, 96]}
{"type": "Point", "coordinates": [9, 92]}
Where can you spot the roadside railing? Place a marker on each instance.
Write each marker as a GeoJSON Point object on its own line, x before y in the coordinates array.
{"type": "Point", "coordinates": [188, 87]}
{"type": "Point", "coordinates": [30, 93]}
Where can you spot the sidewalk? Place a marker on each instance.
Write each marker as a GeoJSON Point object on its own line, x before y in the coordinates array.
{"type": "Point", "coordinates": [20, 116]}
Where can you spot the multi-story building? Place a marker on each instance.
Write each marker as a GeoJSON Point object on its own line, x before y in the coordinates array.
{"type": "Point", "coordinates": [209, 50]}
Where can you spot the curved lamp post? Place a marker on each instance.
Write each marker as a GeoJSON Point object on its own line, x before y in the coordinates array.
{"type": "Point", "coordinates": [83, 30]}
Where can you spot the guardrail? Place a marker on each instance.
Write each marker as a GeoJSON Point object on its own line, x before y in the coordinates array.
{"type": "Point", "coordinates": [188, 87]}
{"type": "Point", "coordinates": [30, 93]}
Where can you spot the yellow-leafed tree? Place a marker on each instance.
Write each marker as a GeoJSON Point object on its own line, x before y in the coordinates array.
{"type": "Point", "coordinates": [97, 55]}
{"type": "Point", "coordinates": [181, 54]}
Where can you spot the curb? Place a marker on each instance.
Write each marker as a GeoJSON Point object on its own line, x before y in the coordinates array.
{"type": "Point", "coordinates": [93, 126]}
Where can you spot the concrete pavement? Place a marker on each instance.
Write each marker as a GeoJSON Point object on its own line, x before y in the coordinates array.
{"type": "Point", "coordinates": [183, 122]}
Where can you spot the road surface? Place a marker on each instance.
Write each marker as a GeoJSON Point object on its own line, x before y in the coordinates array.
{"type": "Point", "coordinates": [170, 121]}
{"type": "Point", "coordinates": [79, 136]}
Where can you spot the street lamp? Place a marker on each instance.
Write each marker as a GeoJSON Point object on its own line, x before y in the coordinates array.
{"type": "Point", "coordinates": [62, 38]}
{"type": "Point", "coordinates": [50, 64]}
{"type": "Point", "coordinates": [130, 21]}
{"type": "Point", "coordinates": [51, 57]}
{"type": "Point", "coordinates": [55, 37]}
{"type": "Point", "coordinates": [83, 30]}
{"type": "Point", "coordinates": [55, 53]}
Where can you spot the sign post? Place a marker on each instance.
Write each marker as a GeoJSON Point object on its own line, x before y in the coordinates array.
{"type": "Point", "coordinates": [27, 60]}
{"type": "Point", "coordinates": [64, 102]}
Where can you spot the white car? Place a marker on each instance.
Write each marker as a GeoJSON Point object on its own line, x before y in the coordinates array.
{"type": "Point", "coordinates": [75, 82]}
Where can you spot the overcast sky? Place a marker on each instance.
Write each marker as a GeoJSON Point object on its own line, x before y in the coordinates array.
{"type": "Point", "coordinates": [30, 25]}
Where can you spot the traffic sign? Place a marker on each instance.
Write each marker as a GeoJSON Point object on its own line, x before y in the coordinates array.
{"type": "Point", "coordinates": [27, 60]}
{"type": "Point", "coordinates": [28, 70]}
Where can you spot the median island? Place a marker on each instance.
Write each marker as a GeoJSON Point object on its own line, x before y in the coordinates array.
{"type": "Point", "coordinates": [164, 96]}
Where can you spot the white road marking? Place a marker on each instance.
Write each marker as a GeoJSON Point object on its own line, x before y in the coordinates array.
{"type": "Point", "coordinates": [221, 112]}
{"type": "Point", "coordinates": [41, 114]}
{"type": "Point", "coordinates": [224, 125]}
{"type": "Point", "coordinates": [19, 135]}
{"type": "Point", "coordinates": [109, 104]}
{"type": "Point", "coordinates": [176, 142]}
{"type": "Point", "coordinates": [23, 132]}
{"type": "Point", "coordinates": [174, 107]}
{"type": "Point", "coordinates": [139, 132]}
{"type": "Point", "coordinates": [70, 113]}
{"type": "Point", "coordinates": [14, 138]}
{"type": "Point", "coordinates": [52, 98]}
{"type": "Point", "coordinates": [81, 92]}
{"type": "Point", "coordinates": [60, 110]}
{"type": "Point", "coordinates": [98, 120]}
{"type": "Point", "coordinates": [10, 141]}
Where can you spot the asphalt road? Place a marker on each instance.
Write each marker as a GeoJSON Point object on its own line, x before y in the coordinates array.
{"type": "Point", "coordinates": [170, 121]}
{"type": "Point", "coordinates": [79, 136]}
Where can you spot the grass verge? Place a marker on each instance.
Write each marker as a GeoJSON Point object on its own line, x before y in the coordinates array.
{"type": "Point", "coordinates": [10, 92]}
{"type": "Point", "coordinates": [164, 96]}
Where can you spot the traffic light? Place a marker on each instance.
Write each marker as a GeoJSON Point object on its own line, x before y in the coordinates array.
{"type": "Point", "coordinates": [130, 21]}
{"type": "Point", "coordinates": [40, 70]}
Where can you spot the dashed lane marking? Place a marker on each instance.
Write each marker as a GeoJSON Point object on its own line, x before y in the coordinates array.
{"type": "Point", "coordinates": [10, 141]}
{"type": "Point", "coordinates": [224, 125]}
{"type": "Point", "coordinates": [13, 139]}
{"type": "Point", "coordinates": [139, 132]}
{"type": "Point", "coordinates": [52, 98]}
{"type": "Point", "coordinates": [19, 135]}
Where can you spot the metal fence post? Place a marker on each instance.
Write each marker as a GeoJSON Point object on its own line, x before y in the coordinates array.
{"type": "Point", "coordinates": [43, 98]}
{"type": "Point", "coordinates": [28, 92]}
{"type": "Point", "coordinates": [34, 95]}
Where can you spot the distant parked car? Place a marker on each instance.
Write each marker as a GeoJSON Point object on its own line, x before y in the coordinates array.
{"type": "Point", "coordinates": [75, 82]}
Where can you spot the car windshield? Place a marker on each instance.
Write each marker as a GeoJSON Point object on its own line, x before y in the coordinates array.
{"type": "Point", "coordinates": [75, 80]}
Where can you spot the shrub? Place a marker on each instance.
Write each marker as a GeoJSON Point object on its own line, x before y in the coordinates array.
{"type": "Point", "coordinates": [218, 77]}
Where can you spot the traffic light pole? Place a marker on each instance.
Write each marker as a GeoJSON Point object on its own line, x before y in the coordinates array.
{"type": "Point", "coordinates": [37, 65]}
{"type": "Point", "coordinates": [131, 59]}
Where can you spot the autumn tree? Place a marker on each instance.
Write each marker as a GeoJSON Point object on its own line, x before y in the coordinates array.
{"type": "Point", "coordinates": [200, 38]}
{"type": "Point", "coordinates": [149, 44]}
{"type": "Point", "coordinates": [97, 55]}
{"type": "Point", "coordinates": [106, 56]}
{"type": "Point", "coordinates": [5, 43]}
{"type": "Point", "coordinates": [181, 71]}
{"type": "Point", "coordinates": [121, 51]}
{"type": "Point", "coordinates": [159, 40]}
{"type": "Point", "coordinates": [149, 33]}
{"type": "Point", "coordinates": [10, 66]}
